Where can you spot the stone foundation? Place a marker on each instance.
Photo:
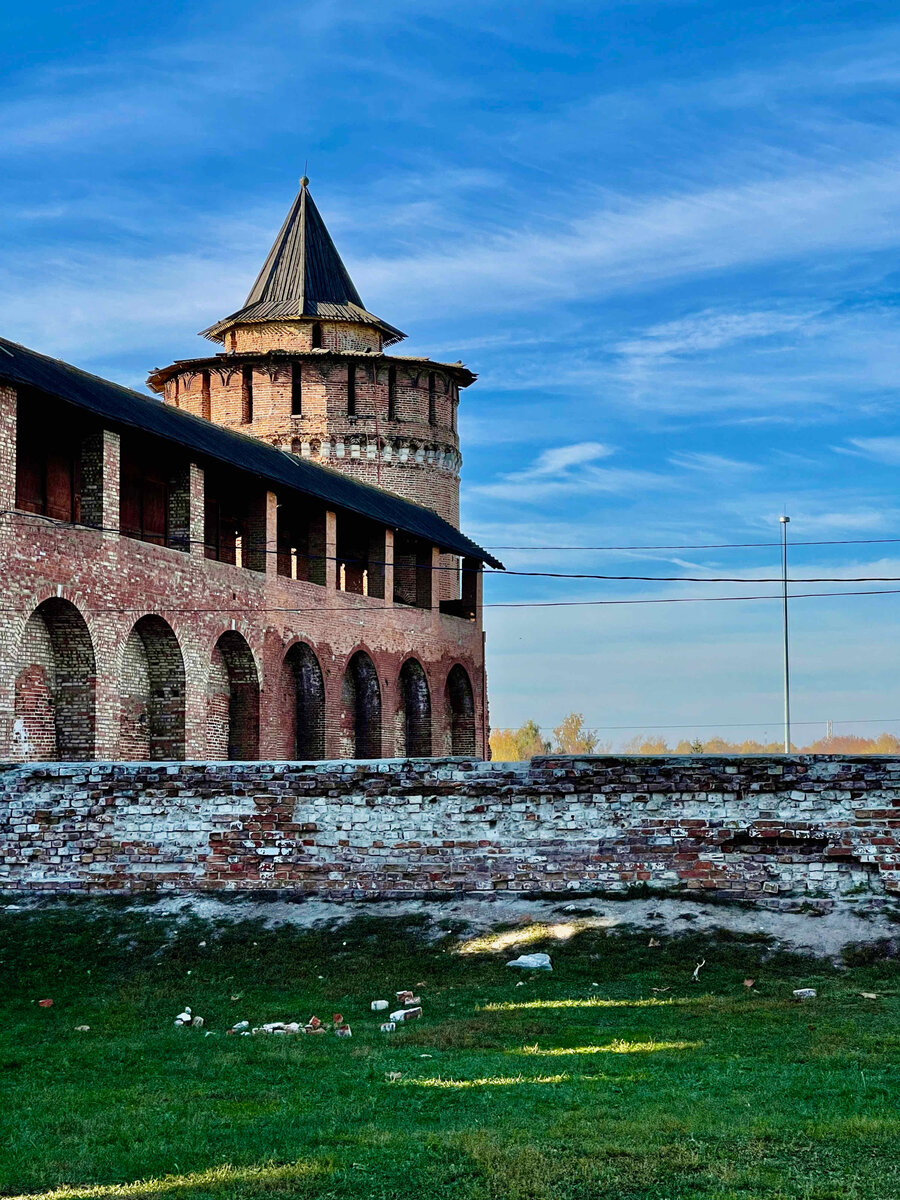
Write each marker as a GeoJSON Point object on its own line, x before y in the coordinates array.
{"type": "Point", "coordinates": [761, 828]}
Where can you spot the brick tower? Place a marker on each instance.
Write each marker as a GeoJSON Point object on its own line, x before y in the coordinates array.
{"type": "Point", "coordinates": [304, 369]}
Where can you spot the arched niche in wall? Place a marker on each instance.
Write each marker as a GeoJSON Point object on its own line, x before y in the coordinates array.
{"type": "Point", "coordinates": [151, 693]}
{"type": "Point", "coordinates": [360, 709]}
{"type": "Point", "coordinates": [55, 686]}
{"type": "Point", "coordinates": [308, 701]}
{"type": "Point", "coordinates": [233, 697]}
{"type": "Point", "coordinates": [460, 710]}
{"type": "Point", "coordinates": [414, 712]}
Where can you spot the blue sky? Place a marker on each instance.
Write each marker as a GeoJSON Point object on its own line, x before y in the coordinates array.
{"type": "Point", "coordinates": [666, 236]}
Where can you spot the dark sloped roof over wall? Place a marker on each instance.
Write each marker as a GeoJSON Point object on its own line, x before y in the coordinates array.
{"type": "Point", "coordinates": [120, 406]}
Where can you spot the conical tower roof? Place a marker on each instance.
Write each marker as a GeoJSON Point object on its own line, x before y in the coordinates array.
{"type": "Point", "coordinates": [303, 276]}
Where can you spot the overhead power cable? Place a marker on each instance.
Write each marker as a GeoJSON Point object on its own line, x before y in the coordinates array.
{"type": "Point", "coordinates": [731, 725]}
{"type": "Point", "coordinates": [712, 545]}
{"type": "Point", "coordinates": [362, 610]}
{"type": "Point", "coordinates": [257, 549]}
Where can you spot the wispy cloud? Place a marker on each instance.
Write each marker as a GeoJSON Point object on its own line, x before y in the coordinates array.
{"type": "Point", "coordinates": [564, 470]}
{"type": "Point", "coordinates": [881, 449]}
{"type": "Point", "coordinates": [711, 464]}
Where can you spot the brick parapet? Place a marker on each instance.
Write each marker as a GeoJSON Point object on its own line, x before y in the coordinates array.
{"type": "Point", "coordinates": [763, 828]}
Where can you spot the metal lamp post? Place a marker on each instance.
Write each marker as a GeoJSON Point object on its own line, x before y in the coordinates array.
{"type": "Point", "coordinates": [785, 521]}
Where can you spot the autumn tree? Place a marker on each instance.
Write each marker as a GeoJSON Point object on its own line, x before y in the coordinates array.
{"type": "Point", "coordinates": [517, 745]}
{"type": "Point", "coordinates": [571, 737]}
{"type": "Point", "coordinates": [643, 743]}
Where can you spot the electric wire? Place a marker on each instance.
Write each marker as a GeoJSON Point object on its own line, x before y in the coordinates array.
{"type": "Point", "coordinates": [261, 548]}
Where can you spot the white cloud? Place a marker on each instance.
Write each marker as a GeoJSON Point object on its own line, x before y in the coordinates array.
{"type": "Point", "coordinates": [559, 459]}
{"type": "Point", "coordinates": [565, 470]}
{"type": "Point", "coordinates": [711, 464]}
{"type": "Point", "coordinates": [882, 449]}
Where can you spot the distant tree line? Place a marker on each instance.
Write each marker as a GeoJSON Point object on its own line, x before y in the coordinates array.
{"type": "Point", "coordinates": [571, 736]}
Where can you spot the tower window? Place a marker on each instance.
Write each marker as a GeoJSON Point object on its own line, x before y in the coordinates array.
{"type": "Point", "coordinates": [205, 403]}
{"type": "Point", "coordinates": [246, 395]}
{"type": "Point", "coordinates": [316, 336]}
{"type": "Point", "coordinates": [432, 400]}
{"type": "Point", "coordinates": [392, 393]}
{"type": "Point", "coordinates": [296, 389]}
{"type": "Point", "coordinates": [176, 390]}
{"type": "Point", "coordinates": [351, 389]}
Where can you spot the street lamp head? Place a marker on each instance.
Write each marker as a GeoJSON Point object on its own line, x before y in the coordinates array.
{"type": "Point", "coordinates": [785, 520]}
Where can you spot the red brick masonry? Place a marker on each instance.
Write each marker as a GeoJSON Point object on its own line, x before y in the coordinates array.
{"type": "Point", "coordinates": [754, 828]}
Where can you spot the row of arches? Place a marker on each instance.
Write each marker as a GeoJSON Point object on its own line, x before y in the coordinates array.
{"type": "Point", "coordinates": [56, 690]}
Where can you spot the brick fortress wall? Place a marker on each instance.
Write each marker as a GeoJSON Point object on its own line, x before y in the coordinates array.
{"type": "Point", "coordinates": [768, 828]}
{"type": "Point", "coordinates": [116, 648]}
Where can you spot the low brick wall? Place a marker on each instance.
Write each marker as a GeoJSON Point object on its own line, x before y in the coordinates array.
{"type": "Point", "coordinates": [756, 828]}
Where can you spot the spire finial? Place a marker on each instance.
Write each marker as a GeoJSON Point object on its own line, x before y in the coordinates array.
{"type": "Point", "coordinates": [304, 181]}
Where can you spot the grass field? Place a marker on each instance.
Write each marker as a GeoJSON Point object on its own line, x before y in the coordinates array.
{"type": "Point", "coordinates": [591, 1081]}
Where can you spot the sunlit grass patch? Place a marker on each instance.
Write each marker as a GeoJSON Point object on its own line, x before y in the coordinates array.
{"type": "Point", "coordinates": [254, 1178]}
{"type": "Point", "coordinates": [588, 1002]}
{"type": "Point", "coordinates": [616, 1047]}
{"type": "Point", "coordinates": [526, 935]}
{"type": "Point", "coordinates": [487, 1081]}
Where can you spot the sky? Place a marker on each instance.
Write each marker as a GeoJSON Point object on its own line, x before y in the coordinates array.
{"type": "Point", "coordinates": [665, 235]}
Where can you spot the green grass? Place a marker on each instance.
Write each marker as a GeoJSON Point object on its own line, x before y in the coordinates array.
{"type": "Point", "coordinates": [554, 1090]}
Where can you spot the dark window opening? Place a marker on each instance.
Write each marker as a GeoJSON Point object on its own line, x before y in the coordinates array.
{"type": "Point", "coordinates": [467, 604]}
{"type": "Point", "coordinates": [227, 524]}
{"type": "Point", "coordinates": [48, 460]}
{"type": "Point", "coordinates": [392, 393]}
{"type": "Point", "coordinates": [176, 389]}
{"type": "Point", "coordinates": [351, 390]}
{"type": "Point", "coordinates": [413, 576]}
{"type": "Point", "coordinates": [296, 389]}
{"type": "Point", "coordinates": [432, 399]}
{"type": "Point", "coordinates": [144, 494]}
{"type": "Point", "coordinates": [205, 399]}
{"type": "Point", "coordinates": [360, 556]}
{"type": "Point", "coordinates": [316, 339]}
{"type": "Point", "coordinates": [301, 541]}
{"type": "Point", "coordinates": [246, 395]}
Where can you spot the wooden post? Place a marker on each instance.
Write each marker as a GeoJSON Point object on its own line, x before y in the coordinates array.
{"type": "Point", "coordinates": [331, 567]}
{"type": "Point", "coordinates": [388, 568]}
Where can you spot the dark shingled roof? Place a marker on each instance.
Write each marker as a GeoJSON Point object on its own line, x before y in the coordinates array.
{"type": "Point", "coordinates": [120, 406]}
{"type": "Point", "coordinates": [303, 276]}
